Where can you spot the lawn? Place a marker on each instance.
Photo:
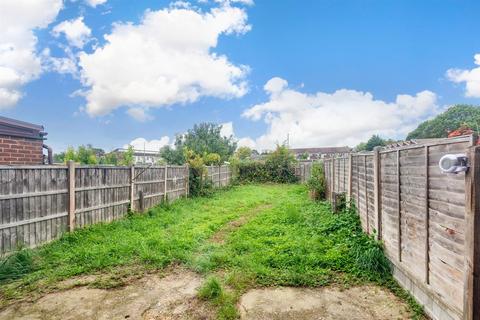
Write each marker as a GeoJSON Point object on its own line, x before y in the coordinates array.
{"type": "Point", "coordinates": [243, 237]}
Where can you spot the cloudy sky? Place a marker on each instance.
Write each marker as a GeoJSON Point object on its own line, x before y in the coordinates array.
{"type": "Point", "coordinates": [324, 72]}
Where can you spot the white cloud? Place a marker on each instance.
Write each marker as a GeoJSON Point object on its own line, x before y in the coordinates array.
{"type": "Point", "coordinates": [139, 114]}
{"type": "Point", "coordinates": [75, 30]}
{"type": "Point", "coordinates": [247, 142]}
{"type": "Point", "coordinates": [19, 61]}
{"type": "Point", "coordinates": [227, 129]}
{"type": "Point", "coordinates": [94, 3]}
{"type": "Point", "coordinates": [470, 77]}
{"type": "Point", "coordinates": [152, 145]}
{"type": "Point", "coordinates": [345, 117]}
{"type": "Point", "coordinates": [166, 59]}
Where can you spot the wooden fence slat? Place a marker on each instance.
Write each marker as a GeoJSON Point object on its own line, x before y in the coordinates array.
{"type": "Point", "coordinates": [472, 237]}
{"type": "Point", "coordinates": [427, 217]}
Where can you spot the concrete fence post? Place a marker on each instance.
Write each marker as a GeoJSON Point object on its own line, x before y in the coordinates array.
{"type": "Point", "coordinates": [132, 188]}
{"type": "Point", "coordinates": [349, 177]}
{"type": "Point", "coordinates": [376, 191]}
{"type": "Point", "coordinates": [472, 237]}
{"type": "Point", "coordinates": [165, 187]}
{"type": "Point", "coordinates": [71, 195]}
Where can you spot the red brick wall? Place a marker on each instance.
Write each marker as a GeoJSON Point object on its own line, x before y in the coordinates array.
{"type": "Point", "coordinates": [14, 150]}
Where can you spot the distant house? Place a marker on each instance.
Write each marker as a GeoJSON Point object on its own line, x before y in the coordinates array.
{"type": "Point", "coordinates": [142, 156]}
{"type": "Point", "coordinates": [22, 143]}
{"type": "Point", "coordinates": [319, 153]}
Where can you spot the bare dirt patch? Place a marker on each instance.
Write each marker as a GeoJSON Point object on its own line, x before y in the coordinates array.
{"type": "Point", "coordinates": [152, 297]}
{"type": "Point", "coordinates": [364, 302]}
{"type": "Point", "coordinates": [220, 236]}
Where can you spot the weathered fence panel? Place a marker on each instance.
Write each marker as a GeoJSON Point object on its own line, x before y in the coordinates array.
{"type": "Point", "coordinates": [221, 176]}
{"type": "Point", "coordinates": [303, 170]}
{"type": "Point", "coordinates": [35, 204]}
{"type": "Point", "coordinates": [420, 214]}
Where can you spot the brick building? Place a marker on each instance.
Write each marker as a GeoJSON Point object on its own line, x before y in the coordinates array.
{"type": "Point", "coordinates": [21, 143]}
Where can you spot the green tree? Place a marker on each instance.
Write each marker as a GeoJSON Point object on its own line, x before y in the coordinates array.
{"type": "Point", "coordinates": [70, 155]}
{"type": "Point", "coordinates": [127, 157]}
{"type": "Point", "coordinates": [172, 155]}
{"type": "Point", "coordinates": [59, 157]}
{"type": "Point", "coordinates": [109, 158]}
{"type": "Point", "coordinates": [243, 153]}
{"type": "Point", "coordinates": [203, 138]}
{"type": "Point", "coordinates": [374, 141]}
{"type": "Point", "coordinates": [86, 155]}
{"type": "Point", "coordinates": [449, 120]}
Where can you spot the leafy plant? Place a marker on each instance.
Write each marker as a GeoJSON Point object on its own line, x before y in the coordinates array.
{"type": "Point", "coordinates": [317, 183]}
{"type": "Point", "coordinates": [16, 265]}
{"type": "Point", "coordinates": [278, 167]}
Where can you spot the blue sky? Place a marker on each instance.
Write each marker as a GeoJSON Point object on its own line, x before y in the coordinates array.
{"type": "Point", "coordinates": [325, 72]}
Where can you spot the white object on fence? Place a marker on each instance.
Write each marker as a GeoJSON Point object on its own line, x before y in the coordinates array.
{"type": "Point", "coordinates": [453, 163]}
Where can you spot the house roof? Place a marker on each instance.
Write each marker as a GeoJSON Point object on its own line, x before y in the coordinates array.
{"type": "Point", "coordinates": [322, 150]}
{"type": "Point", "coordinates": [17, 128]}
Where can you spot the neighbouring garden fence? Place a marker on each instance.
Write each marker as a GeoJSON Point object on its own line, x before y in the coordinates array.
{"type": "Point", "coordinates": [221, 176]}
{"type": "Point", "coordinates": [428, 221]}
{"type": "Point", "coordinates": [303, 170]}
{"type": "Point", "coordinates": [39, 203]}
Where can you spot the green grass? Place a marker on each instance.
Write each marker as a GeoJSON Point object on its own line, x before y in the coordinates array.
{"type": "Point", "coordinates": [289, 241]}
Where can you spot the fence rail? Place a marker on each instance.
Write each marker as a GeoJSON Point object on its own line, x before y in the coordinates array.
{"type": "Point", "coordinates": [423, 217]}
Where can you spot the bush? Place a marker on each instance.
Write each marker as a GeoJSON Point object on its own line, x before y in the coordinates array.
{"type": "Point", "coordinates": [317, 183]}
{"type": "Point", "coordinates": [278, 167]}
{"type": "Point", "coordinates": [199, 185]}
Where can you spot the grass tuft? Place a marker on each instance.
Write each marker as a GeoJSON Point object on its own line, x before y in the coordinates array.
{"type": "Point", "coordinates": [211, 289]}
{"type": "Point", "coordinates": [16, 265]}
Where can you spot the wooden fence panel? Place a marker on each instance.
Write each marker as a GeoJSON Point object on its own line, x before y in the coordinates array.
{"type": "Point", "coordinates": [220, 176]}
{"type": "Point", "coordinates": [102, 194]}
{"type": "Point", "coordinates": [421, 216]}
{"type": "Point", "coordinates": [150, 181]}
{"type": "Point", "coordinates": [33, 205]}
{"type": "Point", "coordinates": [34, 200]}
{"type": "Point", "coordinates": [389, 203]}
{"type": "Point", "coordinates": [447, 227]}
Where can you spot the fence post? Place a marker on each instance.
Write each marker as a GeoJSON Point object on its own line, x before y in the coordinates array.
{"type": "Point", "coordinates": [350, 182]}
{"type": "Point", "coordinates": [187, 179]}
{"type": "Point", "coordinates": [472, 237]}
{"type": "Point", "coordinates": [332, 193]}
{"type": "Point", "coordinates": [219, 175]}
{"type": "Point", "coordinates": [132, 188]}
{"type": "Point", "coordinates": [141, 202]}
{"type": "Point", "coordinates": [399, 210]}
{"type": "Point", "coordinates": [376, 190]}
{"type": "Point", "coordinates": [165, 190]}
{"type": "Point", "coordinates": [71, 195]}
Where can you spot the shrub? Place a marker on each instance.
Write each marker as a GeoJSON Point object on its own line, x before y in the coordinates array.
{"type": "Point", "coordinates": [317, 183]}
{"type": "Point", "coordinates": [278, 167]}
